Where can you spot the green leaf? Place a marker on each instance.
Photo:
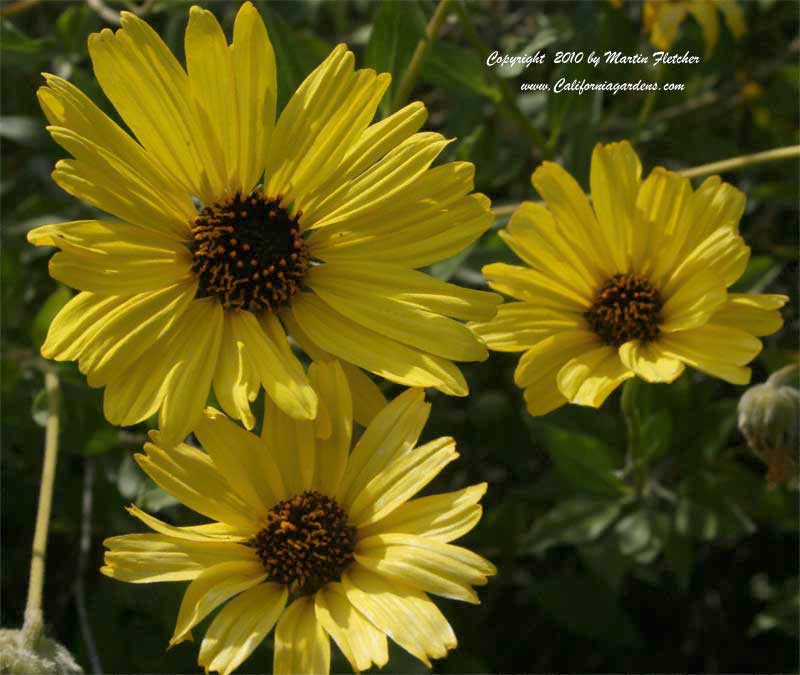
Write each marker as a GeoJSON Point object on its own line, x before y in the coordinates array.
{"type": "Point", "coordinates": [640, 535]}
{"type": "Point", "coordinates": [587, 608]}
{"type": "Point", "coordinates": [396, 31]}
{"type": "Point", "coordinates": [455, 68]}
{"type": "Point", "coordinates": [101, 441]}
{"type": "Point", "coordinates": [21, 129]}
{"type": "Point", "coordinates": [656, 434]}
{"type": "Point", "coordinates": [41, 323]}
{"type": "Point", "coordinates": [14, 42]}
{"type": "Point", "coordinates": [782, 612]}
{"type": "Point", "coordinates": [585, 462]}
{"type": "Point", "coordinates": [604, 559]}
{"type": "Point", "coordinates": [573, 521]}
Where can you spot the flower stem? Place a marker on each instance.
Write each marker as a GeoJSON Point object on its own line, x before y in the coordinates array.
{"type": "Point", "coordinates": [414, 68]}
{"type": "Point", "coordinates": [33, 624]}
{"type": "Point", "coordinates": [743, 161]}
{"type": "Point", "coordinates": [733, 164]}
{"type": "Point", "coordinates": [630, 412]}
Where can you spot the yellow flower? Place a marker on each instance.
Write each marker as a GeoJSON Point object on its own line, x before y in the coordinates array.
{"type": "Point", "coordinates": [321, 540]}
{"type": "Point", "coordinates": [662, 18]}
{"type": "Point", "coordinates": [636, 286]}
{"type": "Point", "coordinates": [234, 228]}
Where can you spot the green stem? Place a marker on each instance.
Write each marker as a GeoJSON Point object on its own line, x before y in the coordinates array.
{"type": "Point", "coordinates": [34, 621]}
{"type": "Point", "coordinates": [633, 425]}
{"type": "Point", "coordinates": [736, 163]}
{"type": "Point", "coordinates": [509, 99]}
{"type": "Point", "coordinates": [414, 68]}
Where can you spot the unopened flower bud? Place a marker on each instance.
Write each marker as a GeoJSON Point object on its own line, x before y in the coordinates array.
{"type": "Point", "coordinates": [769, 419]}
{"type": "Point", "coordinates": [47, 657]}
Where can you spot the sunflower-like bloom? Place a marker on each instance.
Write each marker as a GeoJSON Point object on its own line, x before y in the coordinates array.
{"type": "Point", "coordinates": [235, 228]}
{"type": "Point", "coordinates": [320, 540]}
{"type": "Point", "coordinates": [636, 286]}
{"type": "Point", "coordinates": [662, 19]}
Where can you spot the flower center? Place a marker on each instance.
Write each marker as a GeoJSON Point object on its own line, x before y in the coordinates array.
{"type": "Point", "coordinates": [627, 307]}
{"type": "Point", "coordinates": [249, 253]}
{"type": "Point", "coordinates": [306, 542]}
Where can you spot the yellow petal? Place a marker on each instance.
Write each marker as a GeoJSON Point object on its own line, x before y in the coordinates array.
{"type": "Point", "coordinates": [534, 235]}
{"type": "Point", "coordinates": [330, 383]}
{"type": "Point", "coordinates": [374, 352]}
{"type": "Point", "coordinates": [692, 304]}
{"type": "Point", "coordinates": [423, 233]}
{"type": "Point", "coordinates": [211, 588]}
{"type": "Point", "coordinates": [148, 87]}
{"type": "Point", "coordinates": [405, 614]}
{"type": "Point", "coordinates": [707, 17]}
{"type": "Point", "coordinates": [302, 646]}
{"type": "Point", "coordinates": [392, 433]}
{"type": "Point", "coordinates": [650, 362]}
{"type": "Point", "coordinates": [539, 366]}
{"type": "Point", "coordinates": [720, 351]}
{"type": "Point", "coordinates": [755, 313]}
{"type": "Point", "coordinates": [519, 326]}
{"type": "Point", "coordinates": [531, 285]}
{"type": "Point", "coordinates": [253, 62]}
{"type": "Point", "coordinates": [426, 564]}
{"type": "Point", "coordinates": [292, 444]}
{"type": "Point", "coordinates": [192, 533]}
{"type": "Point", "coordinates": [236, 380]}
{"type": "Point", "coordinates": [190, 476]}
{"type": "Point", "coordinates": [360, 642]}
{"type": "Point", "coordinates": [615, 179]}
{"type": "Point", "coordinates": [371, 146]}
{"type": "Point", "coordinates": [713, 205]}
{"type": "Point", "coordinates": [724, 253]}
{"type": "Point", "coordinates": [66, 106]}
{"type": "Point", "coordinates": [240, 627]}
{"type": "Point", "coordinates": [663, 19]}
{"type": "Point", "coordinates": [213, 87]}
{"type": "Point", "coordinates": [571, 210]}
{"type": "Point", "coordinates": [113, 258]}
{"type": "Point", "coordinates": [590, 377]}
{"type": "Point", "coordinates": [399, 320]}
{"type": "Point", "coordinates": [382, 185]}
{"type": "Point", "coordinates": [243, 459]}
{"type": "Point", "coordinates": [402, 479]}
{"type": "Point", "coordinates": [368, 400]}
{"type": "Point", "coordinates": [734, 17]}
{"type": "Point", "coordinates": [281, 373]}
{"type": "Point", "coordinates": [443, 517]}
{"type": "Point", "coordinates": [146, 558]}
{"type": "Point", "coordinates": [366, 279]}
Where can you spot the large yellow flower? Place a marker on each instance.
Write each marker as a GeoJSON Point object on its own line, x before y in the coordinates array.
{"type": "Point", "coordinates": [303, 522]}
{"type": "Point", "coordinates": [636, 286]}
{"type": "Point", "coordinates": [234, 228]}
{"type": "Point", "coordinates": [662, 18]}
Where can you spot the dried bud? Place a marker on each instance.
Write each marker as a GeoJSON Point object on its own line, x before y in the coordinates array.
{"type": "Point", "coordinates": [769, 419]}
{"type": "Point", "coordinates": [48, 657]}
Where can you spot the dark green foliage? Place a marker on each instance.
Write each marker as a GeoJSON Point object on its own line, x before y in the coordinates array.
{"type": "Point", "coordinates": [696, 571]}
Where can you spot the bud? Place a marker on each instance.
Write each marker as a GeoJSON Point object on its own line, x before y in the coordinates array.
{"type": "Point", "coordinates": [769, 419]}
{"type": "Point", "coordinates": [48, 657]}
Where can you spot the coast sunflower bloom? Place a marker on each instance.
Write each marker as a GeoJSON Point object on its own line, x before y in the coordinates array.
{"type": "Point", "coordinates": [662, 19]}
{"type": "Point", "coordinates": [232, 228]}
{"type": "Point", "coordinates": [324, 542]}
{"type": "Point", "coordinates": [634, 284]}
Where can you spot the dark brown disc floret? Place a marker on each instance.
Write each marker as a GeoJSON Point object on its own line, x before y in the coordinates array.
{"type": "Point", "coordinates": [627, 307]}
{"type": "Point", "coordinates": [249, 252]}
{"type": "Point", "coordinates": [306, 543]}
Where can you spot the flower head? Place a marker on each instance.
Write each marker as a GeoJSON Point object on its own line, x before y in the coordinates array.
{"type": "Point", "coordinates": [662, 19]}
{"type": "Point", "coordinates": [634, 284]}
{"type": "Point", "coordinates": [234, 227]}
{"type": "Point", "coordinates": [324, 542]}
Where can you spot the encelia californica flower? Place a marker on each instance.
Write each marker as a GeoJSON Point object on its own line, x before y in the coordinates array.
{"type": "Point", "coordinates": [324, 542]}
{"type": "Point", "coordinates": [634, 284]}
{"type": "Point", "coordinates": [661, 19]}
{"type": "Point", "coordinates": [234, 228]}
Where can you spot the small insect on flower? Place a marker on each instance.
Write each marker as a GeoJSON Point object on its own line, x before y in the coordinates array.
{"type": "Point", "coordinates": [634, 284]}
{"type": "Point", "coordinates": [324, 542]}
{"type": "Point", "coordinates": [235, 228]}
